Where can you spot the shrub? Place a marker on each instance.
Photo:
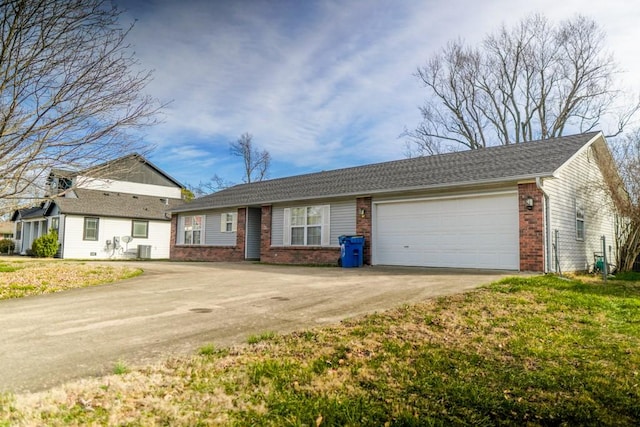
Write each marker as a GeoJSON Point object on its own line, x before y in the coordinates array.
{"type": "Point", "coordinates": [45, 246]}
{"type": "Point", "coordinates": [7, 246]}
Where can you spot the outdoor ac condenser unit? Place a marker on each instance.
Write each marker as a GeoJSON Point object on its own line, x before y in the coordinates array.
{"type": "Point", "coordinates": [144, 251]}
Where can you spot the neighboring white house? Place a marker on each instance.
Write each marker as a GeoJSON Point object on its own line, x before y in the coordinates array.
{"type": "Point", "coordinates": [534, 206]}
{"type": "Point", "coordinates": [114, 210]}
{"type": "Point", "coordinates": [6, 230]}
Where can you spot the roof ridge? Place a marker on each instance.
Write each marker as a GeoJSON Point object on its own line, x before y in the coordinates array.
{"type": "Point", "coordinates": [416, 159]}
{"type": "Point", "coordinates": [514, 162]}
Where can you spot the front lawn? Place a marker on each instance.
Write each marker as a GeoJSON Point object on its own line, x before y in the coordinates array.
{"type": "Point", "coordinates": [26, 277]}
{"type": "Point", "coordinates": [523, 351]}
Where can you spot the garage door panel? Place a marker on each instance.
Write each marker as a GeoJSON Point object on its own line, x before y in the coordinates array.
{"type": "Point", "coordinates": [472, 232]}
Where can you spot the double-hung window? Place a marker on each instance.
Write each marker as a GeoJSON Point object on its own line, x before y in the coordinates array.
{"type": "Point", "coordinates": [91, 226]}
{"type": "Point", "coordinates": [579, 222]}
{"type": "Point", "coordinates": [306, 226]}
{"type": "Point", "coordinates": [228, 222]}
{"type": "Point", "coordinates": [192, 230]}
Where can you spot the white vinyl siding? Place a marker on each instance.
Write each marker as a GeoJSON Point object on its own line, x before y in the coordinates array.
{"type": "Point", "coordinates": [342, 220]}
{"type": "Point", "coordinates": [129, 187]}
{"type": "Point", "coordinates": [580, 180]}
{"type": "Point", "coordinates": [75, 247]}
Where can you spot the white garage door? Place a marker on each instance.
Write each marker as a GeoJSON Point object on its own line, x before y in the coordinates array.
{"type": "Point", "coordinates": [467, 232]}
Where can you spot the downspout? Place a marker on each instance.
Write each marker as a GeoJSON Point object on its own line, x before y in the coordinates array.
{"type": "Point", "coordinates": [246, 229]}
{"type": "Point", "coordinates": [63, 223]}
{"type": "Point", "coordinates": [547, 225]}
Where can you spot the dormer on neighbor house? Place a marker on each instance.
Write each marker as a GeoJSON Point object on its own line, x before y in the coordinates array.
{"type": "Point", "coordinates": [59, 182]}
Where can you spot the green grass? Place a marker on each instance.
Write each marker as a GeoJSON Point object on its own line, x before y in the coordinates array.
{"type": "Point", "coordinates": [632, 276]}
{"type": "Point", "coordinates": [522, 351]}
{"type": "Point", "coordinates": [6, 268]}
{"type": "Point", "coordinates": [19, 279]}
{"type": "Point", "coordinates": [207, 350]}
{"type": "Point", "coordinates": [264, 336]}
{"type": "Point", "coordinates": [120, 368]}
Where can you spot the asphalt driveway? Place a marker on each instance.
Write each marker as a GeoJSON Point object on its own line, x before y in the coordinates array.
{"type": "Point", "coordinates": [176, 308]}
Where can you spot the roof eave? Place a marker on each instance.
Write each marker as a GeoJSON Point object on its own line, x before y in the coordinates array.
{"type": "Point", "coordinates": [446, 186]}
{"type": "Point", "coordinates": [102, 215]}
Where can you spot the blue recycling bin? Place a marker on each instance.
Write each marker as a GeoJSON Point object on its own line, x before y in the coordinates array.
{"type": "Point", "coordinates": [351, 251]}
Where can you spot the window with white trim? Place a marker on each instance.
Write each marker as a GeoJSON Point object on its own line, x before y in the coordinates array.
{"type": "Point", "coordinates": [192, 229]}
{"type": "Point", "coordinates": [306, 226]}
{"type": "Point", "coordinates": [579, 222]}
{"type": "Point", "coordinates": [91, 226]}
{"type": "Point", "coordinates": [228, 222]}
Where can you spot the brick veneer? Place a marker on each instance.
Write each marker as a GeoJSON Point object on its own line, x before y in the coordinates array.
{"type": "Point", "coordinates": [363, 226]}
{"type": "Point", "coordinates": [292, 254]}
{"type": "Point", "coordinates": [531, 228]}
{"type": "Point", "coordinates": [209, 253]}
{"type": "Point", "coordinates": [301, 255]}
{"type": "Point", "coordinates": [531, 224]}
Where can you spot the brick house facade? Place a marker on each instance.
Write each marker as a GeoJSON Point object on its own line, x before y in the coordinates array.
{"type": "Point", "coordinates": [531, 234]}
{"type": "Point", "coordinates": [499, 206]}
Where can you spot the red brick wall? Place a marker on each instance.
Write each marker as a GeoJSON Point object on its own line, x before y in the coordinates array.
{"type": "Point", "coordinates": [292, 254]}
{"type": "Point", "coordinates": [531, 228]}
{"type": "Point", "coordinates": [363, 226]}
{"type": "Point", "coordinates": [276, 255]}
{"type": "Point", "coordinates": [301, 255]}
{"type": "Point", "coordinates": [241, 226]}
{"type": "Point", "coordinates": [174, 230]}
{"type": "Point", "coordinates": [206, 253]}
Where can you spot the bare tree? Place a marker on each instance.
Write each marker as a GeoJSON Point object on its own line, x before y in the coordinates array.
{"type": "Point", "coordinates": [256, 167]}
{"type": "Point", "coordinates": [256, 162]}
{"type": "Point", "coordinates": [623, 179]}
{"type": "Point", "coordinates": [70, 89]}
{"type": "Point", "coordinates": [533, 81]}
{"type": "Point", "coordinates": [216, 183]}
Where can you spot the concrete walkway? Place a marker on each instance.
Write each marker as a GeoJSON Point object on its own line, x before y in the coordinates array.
{"type": "Point", "coordinates": [176, 308]}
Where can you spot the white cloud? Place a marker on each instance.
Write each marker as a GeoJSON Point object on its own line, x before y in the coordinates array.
{"type": "Point", "coordinates": [319, 84]}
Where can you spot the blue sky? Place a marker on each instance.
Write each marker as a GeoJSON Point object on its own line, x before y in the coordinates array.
{"type": "Point", "coordinates": [319, 84]}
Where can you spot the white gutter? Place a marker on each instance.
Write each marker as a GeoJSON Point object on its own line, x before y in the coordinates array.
{"type": "Point", "coordinates": [547, 225]}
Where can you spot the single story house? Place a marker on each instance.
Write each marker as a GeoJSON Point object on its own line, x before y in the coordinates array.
{"type": "Point", "coordinates": [537, 206]}
{"type": "Point", "coordinates": [112, 211]}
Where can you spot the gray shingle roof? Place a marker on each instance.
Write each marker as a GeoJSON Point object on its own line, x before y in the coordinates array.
{"type": "Point", "coordinates": [111, 204]}
{"type": "Point", "coordinates": [116, 169]}
{"type": "Point", "coordinates": [494, 164]}
{"type": "Point", "coordinates": [30, 213]}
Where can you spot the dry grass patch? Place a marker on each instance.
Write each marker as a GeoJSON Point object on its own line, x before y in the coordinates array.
{"type": "Point", "coordinates": [21, 278]}
{"type": "Point", "coordinates": [533, 351]}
